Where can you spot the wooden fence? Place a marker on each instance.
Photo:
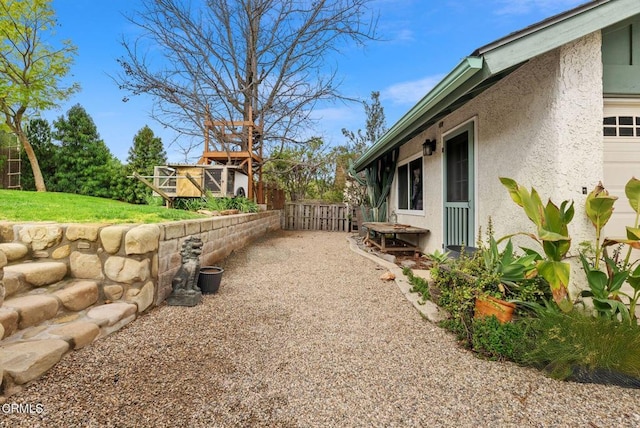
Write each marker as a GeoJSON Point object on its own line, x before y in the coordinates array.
{"type": "Point", "coordinates": [315, 216]}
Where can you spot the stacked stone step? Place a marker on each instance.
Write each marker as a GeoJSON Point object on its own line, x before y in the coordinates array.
{"type": "Point", "coordinates": [43, 316]}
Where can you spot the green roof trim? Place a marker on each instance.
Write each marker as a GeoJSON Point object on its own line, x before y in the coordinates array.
{"type": "Point", "coordinates": [496, 60]}
{"type": "Point", "coordinates": [459, 75]}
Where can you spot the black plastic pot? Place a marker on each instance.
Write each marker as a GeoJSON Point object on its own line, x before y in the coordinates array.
{"type": "Point", "coordinates": [456, 250]}
{"type": "Point", "coordinates": [209, 279]}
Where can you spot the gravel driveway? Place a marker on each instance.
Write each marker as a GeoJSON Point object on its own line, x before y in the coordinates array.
{"type": "Point", "coordinates": [303, 333]}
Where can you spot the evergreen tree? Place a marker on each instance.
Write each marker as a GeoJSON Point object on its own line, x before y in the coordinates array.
{"type": "Point", "coordinates": [358, 142]}
{"type": "Point", "coordinates": [84, 164]}
{"type": "Point", "coordinates": [39, 134]}
{"type": "Point", "coordinates": [374, 129]}
{"type": "Point", "coordinates": [147, 151]}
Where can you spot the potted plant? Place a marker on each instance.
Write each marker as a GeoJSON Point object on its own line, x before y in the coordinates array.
{"type": "Point", "coordinates": [486, 305]}
{"type": "Point", "coordinates": [509, 271]}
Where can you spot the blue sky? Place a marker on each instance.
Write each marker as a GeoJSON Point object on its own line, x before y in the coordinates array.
{"type": "Point", "coordinates": [423, 40]}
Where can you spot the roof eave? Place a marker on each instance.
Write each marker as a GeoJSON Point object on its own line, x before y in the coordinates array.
{"type": "Point", "coordinates": [467, 68]}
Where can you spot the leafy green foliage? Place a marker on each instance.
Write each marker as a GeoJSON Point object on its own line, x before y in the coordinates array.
{"type": "Point", "coordinates": [438, 256]}
{"type": "Point", "coordinates": [146, 152]}
{"type": "Point", "coordinates": [304, 171]}
{"type": "Point", "coordinates": [498, 341]}
{"type": "Point", "coordinates": [39, 135]}
{"type": "Point", "coordinates": [211, 203]}
{"type": "Point", "coordinates": [503, 274]}
{"type": "Point", "coordinates": [552, 223]}
{"type": "Point", "coordinates": [604, 288]}
{"type": "Point", "coordinates": [242, 204]}
{"type": "Point", "coordinates": [565, 341]}
{"type": "Point", "coordinates": [33, 70]}
{"type": "Point", "coordinates": [419, 285]}
{"type": "Point", "coordinates": [84, 163]}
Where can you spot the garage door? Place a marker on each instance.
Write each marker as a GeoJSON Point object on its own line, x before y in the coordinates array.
{"type": "Point", "coordinates": [621, 158]}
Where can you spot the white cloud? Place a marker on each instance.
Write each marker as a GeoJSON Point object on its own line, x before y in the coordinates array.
{"type": "Point", "coordinates": [409, 93]}
{"type": "Point", "coordinates": [520, 7]}
{"type": "Point", "coordinates": [404, 35]}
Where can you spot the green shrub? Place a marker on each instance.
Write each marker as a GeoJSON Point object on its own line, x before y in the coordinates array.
{"type": "Point", "coordinates": [566, 341]}
{"type": "Point", "coordinates": [498, 341]}
{"type": "Point", "coordinates": [212, 203]}
{"type": "Point", "coordinates": [189, 204]}
{"type": "Point", "coordinates": [238, 203]}
{"type": "Point", "coordinates": [419, 285]}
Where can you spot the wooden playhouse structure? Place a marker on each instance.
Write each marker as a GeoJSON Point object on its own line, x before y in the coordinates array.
{"type": "Point", "coordinates": [233, 167]}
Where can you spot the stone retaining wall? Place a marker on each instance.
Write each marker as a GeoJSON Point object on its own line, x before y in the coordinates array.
{"type": "Point", "coordinates": [63, 286]}
{"type": "Point", "coordinates": [130, 263]}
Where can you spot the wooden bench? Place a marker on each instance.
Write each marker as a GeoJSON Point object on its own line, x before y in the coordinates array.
{"type": "Point", "coordinates": [381, 230]}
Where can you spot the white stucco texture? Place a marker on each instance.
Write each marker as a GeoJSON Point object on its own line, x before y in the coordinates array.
{"type": "Point", "coordinates": [542, 126]}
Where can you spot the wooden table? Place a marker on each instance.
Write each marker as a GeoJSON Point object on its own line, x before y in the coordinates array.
{"type": "Point", "coordinates": [379, 239]}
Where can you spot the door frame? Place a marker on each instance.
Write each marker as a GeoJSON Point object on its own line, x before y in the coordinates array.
{"type": "Point", "coordinates": [469, 126]}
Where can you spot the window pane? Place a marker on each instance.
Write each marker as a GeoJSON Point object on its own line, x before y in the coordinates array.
{"type": "Point", "coordinates": [416, 184]}
{"type": "Point", "coordinates": [458, 168]}
{"type": "Point", "coordinates": [626, 120]}
{"type": "Point", "coordinates": [610, 120]}
{"type": "Point", "coordinates": [638, 120]}
{"type": "Point", "coordinates": [403, 187]}
{"type": "Point", "coordinates": [610, 132]}
{"type": "Point", "coordinates": [626, 132]}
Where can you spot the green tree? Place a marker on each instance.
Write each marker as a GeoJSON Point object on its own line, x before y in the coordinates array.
{"type": "Point", "coordinates": [39, 135]}
{"type": "Point", "coordinates": [147, 151]}
{"type": "Point", "coordinates": [31, 70]}
{"type": "Point", "coordinates": [355, 193]}
{"type": "Point", "coordinates": [7, 140]}
{"type": "Point", "coordinates": [301, 170]}
{"type": "Point", "coordinates": [84, 164]}
{"type": "Point", "coordinates": [375, 127]}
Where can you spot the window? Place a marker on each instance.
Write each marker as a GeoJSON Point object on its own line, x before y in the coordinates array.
{"type": "Point", "coordinates": [410, 185]}
{"type": "Point", "coordinates": [621, 126]}
{"type": "Point", "coordinates": [458, 168]}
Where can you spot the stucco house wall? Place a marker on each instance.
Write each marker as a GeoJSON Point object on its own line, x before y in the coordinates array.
{"type": "Point", "coordinates": [541, 125]}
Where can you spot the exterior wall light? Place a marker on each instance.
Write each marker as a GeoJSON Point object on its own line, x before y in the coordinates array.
{"type": "Point", "coordinates": [428, 147]}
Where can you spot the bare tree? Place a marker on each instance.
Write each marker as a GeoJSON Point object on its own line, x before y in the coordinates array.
{"type": "Point", "coordinates": [241, 60]}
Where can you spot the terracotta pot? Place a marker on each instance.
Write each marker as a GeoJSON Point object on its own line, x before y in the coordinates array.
{"type": "Point", "coordinates": [487, 306]}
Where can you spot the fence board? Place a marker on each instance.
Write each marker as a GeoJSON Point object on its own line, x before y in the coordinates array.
{"type": "Point", "coordinates": [314, 216]}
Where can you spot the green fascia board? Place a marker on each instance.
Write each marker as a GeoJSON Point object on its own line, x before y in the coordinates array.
{"type": "Point", "coordinates": [498, 58]}
{"type": "Point", "coordinates": [553, 33]}
{"type": "Point", "coordinates": [457, 77]}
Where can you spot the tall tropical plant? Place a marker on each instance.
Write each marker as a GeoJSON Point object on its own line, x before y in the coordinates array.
{"type": "Point", "coordinates": [628, 270]}
{"type": "Point", "coordinates": [604, 287]}
{"type": "Point", "coordinates": [552, 234]}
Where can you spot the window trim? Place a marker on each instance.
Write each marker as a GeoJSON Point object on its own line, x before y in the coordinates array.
{"type": "Point", "coordinates": [406, 162]}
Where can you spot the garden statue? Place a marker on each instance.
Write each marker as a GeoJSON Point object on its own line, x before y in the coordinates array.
{"type": "Point", "coordinates": [185, 283]}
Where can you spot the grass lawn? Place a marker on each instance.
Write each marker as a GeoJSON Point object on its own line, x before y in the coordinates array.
{"type": "Point", "coordinates": [22, 206]}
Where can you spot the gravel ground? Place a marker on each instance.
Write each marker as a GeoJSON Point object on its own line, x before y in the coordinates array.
{"type": "Point", "coordinates": [303, 333]}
